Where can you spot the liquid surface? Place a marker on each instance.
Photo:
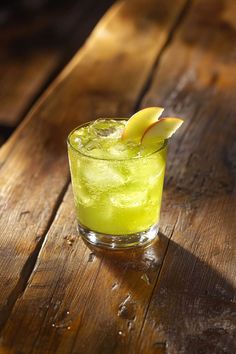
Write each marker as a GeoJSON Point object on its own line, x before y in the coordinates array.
{"type": "Point", "coordinates": [119, 190]}
{"type": "Point", "coordinates": [102, 139]}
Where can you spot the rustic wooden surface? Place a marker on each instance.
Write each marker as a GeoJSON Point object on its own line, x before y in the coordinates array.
{"type": "Point", "coordinates": [36, 47]}
{"type": "Point", "coordinates": [178, 296]}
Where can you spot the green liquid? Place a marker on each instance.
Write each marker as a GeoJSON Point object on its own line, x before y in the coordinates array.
{"type": "Point", "coordinates": [117, 186]}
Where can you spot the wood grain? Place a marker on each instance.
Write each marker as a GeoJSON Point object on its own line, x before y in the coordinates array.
{"type": "Point", "coordinates": [35, 48]}
{"type": "Point", "coordinates": [101, 302]}
{"type": "Point", "coordinates": [34, 170]}
{"type": "Point", "coordinates": [193, 306]}
{"type": "Point", "coordinates": [81, 300]}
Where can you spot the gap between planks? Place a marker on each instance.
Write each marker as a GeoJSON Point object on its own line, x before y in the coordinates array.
{"type": "Point", "coordinates": [29, 265]}
{"type": "Point", "coordinates": [148, 84]}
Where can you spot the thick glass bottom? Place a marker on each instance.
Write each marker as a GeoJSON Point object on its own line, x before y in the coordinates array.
{"type": "Point", "coordinates": [119, 241]}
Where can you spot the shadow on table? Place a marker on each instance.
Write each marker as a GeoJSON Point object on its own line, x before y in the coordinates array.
{"type": "Point", "coordinates": [192, 304]}
{"type": "Point", "coordinates": [199, 278]}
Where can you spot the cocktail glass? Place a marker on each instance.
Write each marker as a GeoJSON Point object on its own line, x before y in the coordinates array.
{"type": "Point", "coordinates": [117, 200]}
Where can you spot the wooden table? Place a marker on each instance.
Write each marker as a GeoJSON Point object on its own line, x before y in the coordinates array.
{"type": "Point", "coordinates": [57, 295]}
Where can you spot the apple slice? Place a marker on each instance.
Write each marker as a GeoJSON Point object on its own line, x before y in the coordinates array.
{"type": "Point", "coordinates": [161, 130]}
{"type": "Point", "coordinates": [140, 121]}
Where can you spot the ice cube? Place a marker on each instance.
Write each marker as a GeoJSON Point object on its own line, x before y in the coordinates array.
{"type": "Point", "coordinates": [121, 150]}
{"type": "Point", "coordinates": [83, 196]}
{"type": "Point", "coordinates": [102, 175]}
{"type": "Point", "coordinates": [118, 151]}
{"type": "Point", "coordinates": [104, 128]}
{"type": "Point", "coordinates": [91, 145]}
{"type": "Point", "coordinates": [129, 199]}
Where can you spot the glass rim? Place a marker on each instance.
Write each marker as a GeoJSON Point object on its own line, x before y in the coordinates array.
{"type": "Point", "coordinates": [110, 159]}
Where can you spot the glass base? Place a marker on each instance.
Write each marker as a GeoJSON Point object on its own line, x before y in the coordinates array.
{"type": "Point", "coordinates": [119, 241]}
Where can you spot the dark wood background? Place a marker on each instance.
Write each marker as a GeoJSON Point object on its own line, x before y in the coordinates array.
{"type": "Point", "coordinates": [37, 39]}
{"type": "Point", "coordinates": [59, 295]}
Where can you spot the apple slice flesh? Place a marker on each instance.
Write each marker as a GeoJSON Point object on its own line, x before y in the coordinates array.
{"type": "Point", "coordinates": [161, 130]}
{"type": "Point", "coordinates": [140, 121]}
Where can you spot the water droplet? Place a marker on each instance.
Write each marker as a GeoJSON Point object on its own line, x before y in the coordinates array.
{"type": "Point", "coordinates": [61, 325]}
{"type": "Point", "coordinates": [42, 306]}
{"type": "Point", "coordinates": [163, 290]}
{"type": "Point", "coordinates": [61, 316]}
{"type": "Point", "coordinates": [161, 345]}
{"type": "Point", "coordinates": [122, 310]}
{"type": "Point", "coordinates": [152, 262]}
{"type": "Point", "coordinates": [114, 286]}
{"type": "Point", "coordinates": [70, 239]}
{"type": "Point", "coordinates": [56, 305]}
{"type": "Point", "coordinates": [91, 257]}
{"type": "Point", "coordinates": [121, 333]}
{"type": "Point", "coordinates": [128, 297]}
{"type": "Point", "coordinates": [127, 309]}
{"type": "Point", "coordinates": [130, 325]}
{"type": "Point", "coordinates": [145, 278]}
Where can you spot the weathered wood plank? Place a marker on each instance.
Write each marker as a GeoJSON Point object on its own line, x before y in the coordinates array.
{"type": "Point", "coordinates": [35, 48]}
{"type": "Point", "coordinates": [107, 296]}
{"type": "Point", "coordinates": [34, 170]}
{"type": "Point", "coordinates": [92, 305]}
{"type": "Point", "coordinates": [193, 306]}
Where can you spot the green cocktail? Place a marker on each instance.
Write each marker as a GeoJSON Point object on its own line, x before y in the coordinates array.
{"type": "Point", "coordinates": [117, 184]}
